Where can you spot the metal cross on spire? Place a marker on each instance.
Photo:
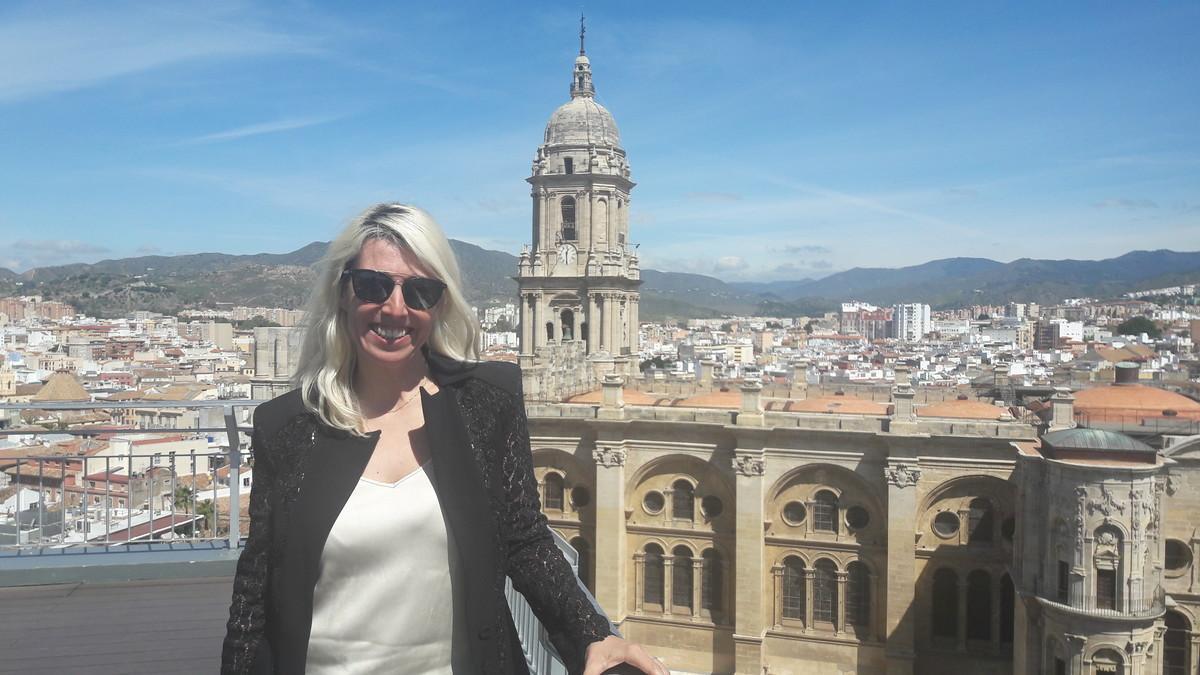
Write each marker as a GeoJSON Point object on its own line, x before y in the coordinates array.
{"type": "Point", "coordinates": [582, 30]}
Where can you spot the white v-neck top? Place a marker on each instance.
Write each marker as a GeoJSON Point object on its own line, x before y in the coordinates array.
{"type": "Point", "coordinates": [388, 598]}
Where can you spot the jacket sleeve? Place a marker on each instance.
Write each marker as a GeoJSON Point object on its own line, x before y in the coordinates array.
{"type": "Point", "coordinates": [245, 649]}
{"type": "Point", "coordinates": [538, 569]}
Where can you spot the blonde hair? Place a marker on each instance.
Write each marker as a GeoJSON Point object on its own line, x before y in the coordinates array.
{"type": "Point", "coordinates": [328, 357]}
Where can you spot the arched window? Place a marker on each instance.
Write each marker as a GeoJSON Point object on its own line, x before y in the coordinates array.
{"type": "Point", "coordinates": [653, 594]}
{"type": "Point", "coordinates": [793, 588]}
{"type": "Point", "coordinates": [824, 511]}
{"type": "Point", "coordinates": [683, 501]}
{"type": "Point", "coordinates": [1008, 600]}
{"type": "Point", "coordinates": [568, 219]}
{"type": "Point", "coordinates": [945, 603]}
{"type": "Point", "coordinates": [1108, 662]}
{"type": "Point", "coordinates": [1106, 559]}
{"type": "Point", "coordinates": [979, 605]}
{"type": "Point", "coordinates": [567, 317]}
{"type": "Point", "coordinates": [825, 599]}
{"type": "Point", "coordinates": [585, 566]}
{"type": "Point", "coordinates": [1176, 656]}
{"type": "Point", "coordinates": [553, 487]}
{"type": "Point", "coordinates": [982, 519]}
{"type": "Point", "coordinates": [549, 331]}
{"type": "Point", "coordinates": [681, 578]}
{"type": "Point", "coordinates": [710, 581]}
{"type": "Point", "coordinates": [858, 595]}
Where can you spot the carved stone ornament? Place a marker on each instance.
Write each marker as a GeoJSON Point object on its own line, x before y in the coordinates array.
{"type": "Point", "coordinates": [1107, 504]}
{"type": "Point", "coordinates": [902, 475]}
{"type": "Point", "coordinates": [609, 457]}
{"type": "Point", "coordinates": [748, 465]}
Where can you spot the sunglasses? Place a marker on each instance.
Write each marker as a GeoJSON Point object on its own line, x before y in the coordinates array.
{"type": "Point", "coordinates": [376, 287]}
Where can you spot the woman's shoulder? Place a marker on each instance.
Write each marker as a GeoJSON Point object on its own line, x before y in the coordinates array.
{"type": "Point", "coordinates": [269, 417]}
{"type": "Point", "coordinates": [499, 374]}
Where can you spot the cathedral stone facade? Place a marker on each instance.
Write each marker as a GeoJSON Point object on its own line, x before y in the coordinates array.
{"type": "Point", "coordinates": [733, 528]}
{"type": "Point", "coordinates": [579, 279]}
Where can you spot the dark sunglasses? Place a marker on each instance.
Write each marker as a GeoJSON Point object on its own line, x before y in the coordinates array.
{"type": "Point", "coordinates": [376, 287]}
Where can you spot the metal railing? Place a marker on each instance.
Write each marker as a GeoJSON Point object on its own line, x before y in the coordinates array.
{"type": "Point", "coordinates": [1139, 424]}
{"type": "Point", "coordinates": [75, 508]}
{"type": "Point", "coordinates": [1114, 607]}
{"type": "Point", "coordinates": [120, 502]}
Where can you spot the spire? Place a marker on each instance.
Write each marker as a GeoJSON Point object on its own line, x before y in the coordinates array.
{"type": "Point", "coordinates": [581, 78]}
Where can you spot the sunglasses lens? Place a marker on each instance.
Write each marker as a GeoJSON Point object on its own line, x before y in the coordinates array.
{"type": "Point", "coordinates": [371, 286]}
{"type": "Point", "coordinates": [421, 293]}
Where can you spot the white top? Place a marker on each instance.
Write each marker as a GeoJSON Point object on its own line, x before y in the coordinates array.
{"type": "Point", "coordinates": [385, 599]}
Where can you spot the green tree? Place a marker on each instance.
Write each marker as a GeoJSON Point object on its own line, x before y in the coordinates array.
{"type": "Point", "coordinates": [183, 498]}
{"type": "Point", "coordinates": [205, 510]}
{"type": "Point", "coordinates": [1138, 325]}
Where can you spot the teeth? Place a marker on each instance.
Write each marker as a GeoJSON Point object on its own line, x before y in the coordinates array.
{"type": "Point", "coordinates": [389, 333]}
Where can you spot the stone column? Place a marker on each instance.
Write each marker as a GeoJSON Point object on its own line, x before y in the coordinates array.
{"type": "Point", "coordinates": [593, 322]}
{"type": "Point", "coordinates": [751, 413]}
{"type": "Point", "coordinates": [810, 577]}
{"type": "Point", "coordinates": [1062, 410]}
{"type": "Point", "coordinates": [777, 614]}
{"type": "Point", "coordinates": [583, 228]}
{"type": "Point", "coordinates": [901, 479]}
{"type": "Point", "coordinates": [639, 572]}
{"type": "Point", "coordinates": [748, 469]}
{"type": "Point", "coordinates": [544, 238]}
{"type": "Point", "coordinates": [537, 327]}
{"type": "Point", "coordinates": [799, 389]}
{"type": "Point", "coordinates": [612, 399]}
{"type": "Point", "coordinates": [526, 322]}
{"type": "Point", "coordinates": [1074, 653]}
{"type": "Point", "coordinates": [697, 585]}
{"type": "Point", "coordinates": [611, 560]}
{"type": "Point", "coordinates": [583, 224]}
{"type": "Point", "coordinates": [634, 329]}
{"type": "Point", "coordinates": [840, 627]}
{"type": "Point", "coordinates": [606, 340]}
{"type": "Point", "coordinates": [668, 583]}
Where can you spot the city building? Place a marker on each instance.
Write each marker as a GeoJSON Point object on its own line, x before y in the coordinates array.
{"type": "Point", "coordinates": [913, 321]}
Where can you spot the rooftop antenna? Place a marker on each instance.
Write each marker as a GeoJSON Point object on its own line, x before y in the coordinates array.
{"type": "Point", "coordinates": [582, 30]}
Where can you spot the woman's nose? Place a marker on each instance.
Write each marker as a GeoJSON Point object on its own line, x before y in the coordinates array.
{"type": "Point", "coordinates": [395, 303]}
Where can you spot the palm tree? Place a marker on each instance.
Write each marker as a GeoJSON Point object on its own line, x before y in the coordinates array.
{"type": "Point", "coordinates": [183, 498]}
{"type": "Point", "coordinates": [205, 510]}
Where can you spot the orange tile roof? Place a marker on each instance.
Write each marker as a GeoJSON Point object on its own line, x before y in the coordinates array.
{"type": "Point", "coordinates": [842, 405]}
{"type": "Point", "coordinates": [1139, 397]}
{"type": "Point", "coordinates": [630, 396]}
{"type": "Point", "coordinates": [967, 410]}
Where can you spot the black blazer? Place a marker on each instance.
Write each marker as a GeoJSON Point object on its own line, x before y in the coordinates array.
{"type": "Point", "coordinates": [304, 471]}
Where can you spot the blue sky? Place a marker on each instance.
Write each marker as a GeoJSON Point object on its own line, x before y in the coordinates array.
{"type": "Point", "coordinates": [768, 140]}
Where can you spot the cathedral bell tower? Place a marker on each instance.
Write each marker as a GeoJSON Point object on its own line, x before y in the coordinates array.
{"type": "Point", "coordinates": [579, 278]}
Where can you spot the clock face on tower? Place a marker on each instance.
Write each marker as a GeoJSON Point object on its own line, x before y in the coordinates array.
{"type": "Point", "coordinates": [566, 254]}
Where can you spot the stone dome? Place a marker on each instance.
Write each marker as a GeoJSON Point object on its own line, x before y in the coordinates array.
{"type": "Point", "coordinates": [582, 121]}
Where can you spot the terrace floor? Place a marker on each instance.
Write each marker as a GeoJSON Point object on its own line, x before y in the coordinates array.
{"type": "Point", "coordinates": [162, 626]}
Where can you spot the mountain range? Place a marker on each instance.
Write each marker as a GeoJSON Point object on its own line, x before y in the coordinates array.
{"type": "Point", "coordinates": [171, 283]}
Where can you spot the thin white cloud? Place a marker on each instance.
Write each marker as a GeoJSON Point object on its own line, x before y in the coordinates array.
{"type": "Point", "coordinates": [49, 49]}
{"type": "Point", "coordinates": [259, 129]}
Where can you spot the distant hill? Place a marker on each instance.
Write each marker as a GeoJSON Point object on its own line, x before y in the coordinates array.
{"type": "Point", "coordinates": [956, 282]}
{"type": "Point", "coordinates": [171, 283]}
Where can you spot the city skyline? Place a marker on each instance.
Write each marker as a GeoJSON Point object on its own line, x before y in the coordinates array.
{"type": "Point", "coordinates": [981, 133]}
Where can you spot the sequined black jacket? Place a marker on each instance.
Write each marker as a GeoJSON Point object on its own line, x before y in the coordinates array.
{"type": "Point", "coordinates": [304, 471]}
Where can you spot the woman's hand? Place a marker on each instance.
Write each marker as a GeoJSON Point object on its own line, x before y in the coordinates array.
{"type": "Point", "coordinates": [613, 651]}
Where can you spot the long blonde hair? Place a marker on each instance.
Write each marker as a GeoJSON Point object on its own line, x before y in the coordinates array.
{"type": "Point", "coordinates": [327, 359]}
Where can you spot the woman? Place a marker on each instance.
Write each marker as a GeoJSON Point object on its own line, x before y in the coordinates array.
{"type": "Point", "coordinates": [381, 531]}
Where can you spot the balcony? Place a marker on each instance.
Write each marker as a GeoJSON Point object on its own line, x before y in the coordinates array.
{"type": "Point", "coordinates": [118, 559]}
{"type": "Point", "coordinates": [1112, 608]}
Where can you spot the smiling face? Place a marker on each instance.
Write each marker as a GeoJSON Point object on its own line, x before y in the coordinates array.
{"type": "Point", "coordinates": [387, 335]}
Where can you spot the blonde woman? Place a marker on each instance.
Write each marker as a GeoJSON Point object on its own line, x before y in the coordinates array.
{"type": "Point", "coordinates": [394, 490]}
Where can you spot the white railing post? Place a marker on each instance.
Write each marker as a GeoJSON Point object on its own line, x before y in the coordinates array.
{"type": "Point", "coordinates": [235, 479]}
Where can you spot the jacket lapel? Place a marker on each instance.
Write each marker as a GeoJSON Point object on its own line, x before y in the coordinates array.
{"type": "Point", "coordinates": [336, 462]}
{"type": "Point", "coordinates": [464, 503]}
